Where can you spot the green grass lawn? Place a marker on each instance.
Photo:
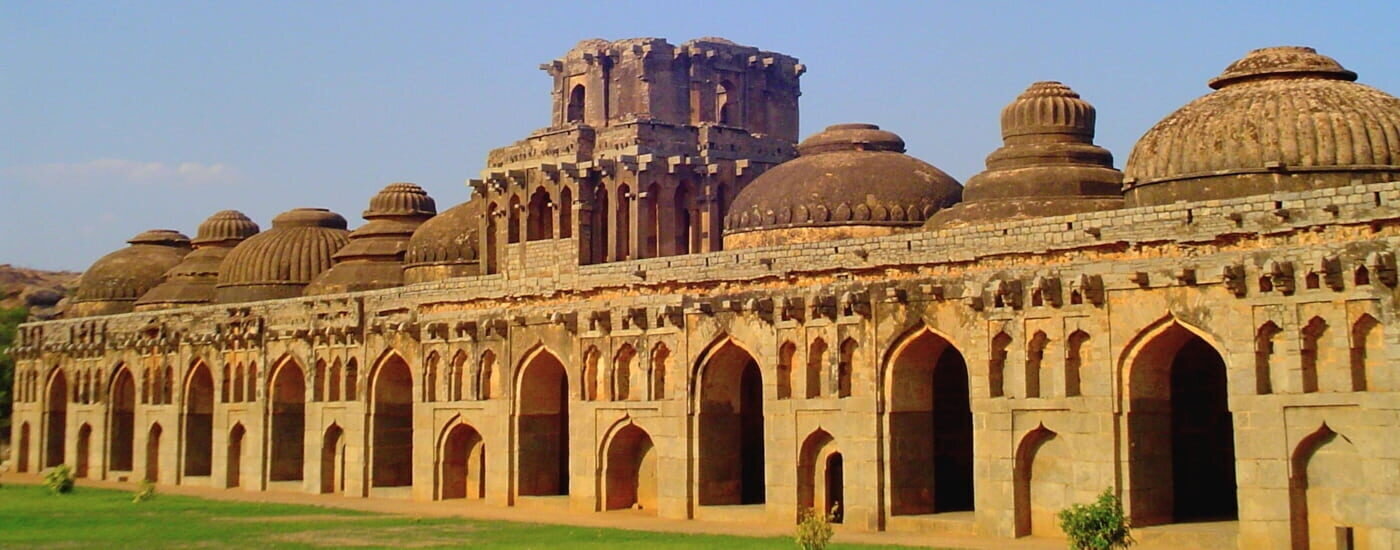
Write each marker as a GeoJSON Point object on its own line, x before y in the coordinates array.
{"type": "Point", "coordinates": [31, 517]}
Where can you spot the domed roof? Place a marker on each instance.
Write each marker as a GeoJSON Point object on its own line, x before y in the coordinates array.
{"type": "Point", "coordinates": [1048, 164]}
{"type": "Point", "coordinates": [447, 245]}
{"type": "Point", "coordinates": [373, 258]}
{"type": "Point", "coordinates": [847, 176]}
{"type": "Point", "coordinates": [191, 282]}
{"type": "Point", "coordinates": [116, 280]}
{"type": "Point", "coordinates": [279, 262]}
{"type": "Point", "coordinates": [224, 226]}
{"type": "Point", "coordinates": [1281, 119]}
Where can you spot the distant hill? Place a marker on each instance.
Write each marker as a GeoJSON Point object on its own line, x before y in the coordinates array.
{"type": "Point", "coordinates": [43, 292]}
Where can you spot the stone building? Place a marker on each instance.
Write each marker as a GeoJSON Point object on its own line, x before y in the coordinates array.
{"type": "Point", "coordinates": [661, 303]}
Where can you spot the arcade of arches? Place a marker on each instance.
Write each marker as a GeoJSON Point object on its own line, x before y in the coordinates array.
{"type": "Point", "coordinates": [642, 313]}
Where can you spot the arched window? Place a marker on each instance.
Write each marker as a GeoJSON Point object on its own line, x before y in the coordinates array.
{"type": "Point", "coordinates": [513, 232]}
{"type": "Point", "coordinates": [487, 377]}
{"type": "Point", "coordinates": [1311, 353]}
{"type": "Point", "coordinates": [1076, 351]}
{"type": "Point", "coordinates": [1035, 360]}
{"type": "Point", "coordinates": [816, 360]}
{"type": "Point", "coordinates": [575, 110]}
{"type": "Point", "coordinates": [996, 364]}
{"type": "Point", "coordinates": [1263, 357]}
{"type": "Point", "coordinates": [624, 222]}
{"type": "Point", "coordinates": [726, 104]}
{"type": "Point", "coordinates": [566, 213]}
{"type": "Point", "coordinates": [1367, 343]}
{"type": "Point", "coordinates": [540, 224]}
{"type": "Point", "coordinates": [845, 367]}
{"type": "Point", "coordinates": [785, 355]}
{"type": "Point", "coordinates": [430, 378]}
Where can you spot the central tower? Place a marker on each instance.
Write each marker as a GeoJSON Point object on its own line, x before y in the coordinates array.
{"type": "Point", "coordinates": [647, 145]}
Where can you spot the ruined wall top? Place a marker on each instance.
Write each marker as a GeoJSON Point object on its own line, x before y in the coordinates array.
{"type": "Point", "coordinates": [708, 80]}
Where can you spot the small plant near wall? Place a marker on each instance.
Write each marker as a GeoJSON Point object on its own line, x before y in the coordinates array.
{"type": "Point", "coordinates": [814, 530]}
{"type": "Point", "coordinates": [1097, 526]}
{"type": "Point", "coordinates": [59, 480]}
{"type": "Point", "coordinates": [145, 492]}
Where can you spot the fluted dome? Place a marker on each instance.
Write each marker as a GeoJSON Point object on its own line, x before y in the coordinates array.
{"type": "Point", "coordinates": [279, 262]}
{"type": "Point", "coordinates": [1282, 119]}
{"type": "Point", "coordinates": [1048, 164]}
{"type": "Point", "coordinates": [191, 282]}
{"type": "Point", "coordinates": [850, 180]}
{"type": "Point", "coordinates": [224, 226]}
{"type": "Point", "coordinates": [446, 246]}
{"type": "Point", "coordinates": [116, 280]}
{"type": "Point", "coordinates": [373, 258]}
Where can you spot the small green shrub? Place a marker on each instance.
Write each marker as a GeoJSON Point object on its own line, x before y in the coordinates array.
{"type": "Point", "coordinates": [59, 480]}
{"type": "Point", "coordinates": [145, 492]}
{"type": "Point", "coordinates": [813, 530]}
{"type": "Point", "coordinates": [1097, 526]}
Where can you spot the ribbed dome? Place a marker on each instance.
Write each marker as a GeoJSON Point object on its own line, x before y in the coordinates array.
{"type": "Point", "coordinates": [401, 199]}
{"type": "Point", "coordinates": [1282, 119]}
{"type": "Point", "coordinates": [1048, 164]}
{"type": "Point", "coordinates": [446, 246]}
{"type": "Point", "coordinates": [191, 282]}
{"type": "Point", "coordinates": [850, 180]}
{"type": "Point", "coordinates": [373, 258]}
{"type": "Point", "coordinates": [115, 281]}
{"type": "Point", "coordinates": [225, 225]}
{"type": "Point", "coordinates": [279, 262]}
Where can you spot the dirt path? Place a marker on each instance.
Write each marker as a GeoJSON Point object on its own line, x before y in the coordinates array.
{"type": "Point", "coordinates": [613, 520]}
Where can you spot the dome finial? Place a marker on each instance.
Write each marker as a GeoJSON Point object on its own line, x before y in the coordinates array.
{"type": "Point", "coordinates": [1282, 61]}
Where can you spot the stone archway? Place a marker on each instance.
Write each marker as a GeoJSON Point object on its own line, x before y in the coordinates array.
{"type": "Point", "coordinates": [23, 462]}
{"type": "Point", "coordinates": [1180, 430]}
{"type": "Point", "coordinates": [731, 429]}
{"type": "Point", "coordinates": [821, 476]}
{"type": "Point", "coordinates": [1325, 484]}
{"type": "Point", "coordinates": [153, 453]}
{"type": "Point", "coordinates": [463, 464]}
{"type": "Point", "coordinates": [56, 420]}
{"type": "Point", "coordinates": [288, 434]}
{"type": "Point", "coordinates": [199, 421]}
{"type": "Point", "coordinates": [84, 450]}
{"type": "Point", "coordinates": [333, 460]}
{"type": "Point", "coordinates": [930, 427]}
{"type": "Point", "coordinates": [630, 471]}
{"type": "Point", "coordinates": [543, 427]}
{"type": "Point", "coordinates": [391, 393]}
{"type": "Point", "coordinates": [121, 449]}
{"type": "Point", "coordinates": [1043, 478]}
{"type": "Point", "coordinates": [233, 476]}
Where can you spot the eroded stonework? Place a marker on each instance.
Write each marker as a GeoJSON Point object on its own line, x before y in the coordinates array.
{"type": "Point", "coordinates": [577, 336]}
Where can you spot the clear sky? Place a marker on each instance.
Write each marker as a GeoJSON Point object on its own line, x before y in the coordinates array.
{"type": "Point", "coordinates": [117, 117]}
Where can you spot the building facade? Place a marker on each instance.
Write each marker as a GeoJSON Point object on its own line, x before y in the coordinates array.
{"type": "Point", "coordinates": [661, 303]}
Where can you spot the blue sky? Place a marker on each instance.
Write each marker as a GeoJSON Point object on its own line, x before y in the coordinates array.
{"type": "Point", "coordinates": [117, 117]}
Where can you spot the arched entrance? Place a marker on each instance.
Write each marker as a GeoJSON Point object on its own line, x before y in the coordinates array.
{"type": "Point", "coordinates": [199, 421]}
{"type": "Point", "coordinates": [930, 427]}
{"type": "Point", "coordinates": [123, 424]}
{"type": "Point", "coordinates": [392, 411]}
{"type": "Point", "coordinates": [84, 448]}
{"type": "Point", "coordinates": [463, 464]}
{"type": "Point", "coordinates": [1043, 480]}
{"type": "Point", "coordinates": [288, 433]}
{"type": "Point", "coordinates": [24, 447]}
{"type": "Point", "coordinates": [543, 427]}
{"type": "Point", "coordinates": [1325, 486]}
{"type": "Point", "coordinates": [821, 477]}
{"type": "Point", "coordinates": [153, 453]}
{"type": "Point", "coordinates": [1181, 432]}
{"type": "Point", "coordinates": [731, 428]}
{"type": "Point", "coordinates": [234, 474]}
{"type": "Point", "coordinates": [630, 475]}
{"type": "Point", "coordinates": [333, 460]}
{"type": "Point", "coordinates": [56, 419]}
